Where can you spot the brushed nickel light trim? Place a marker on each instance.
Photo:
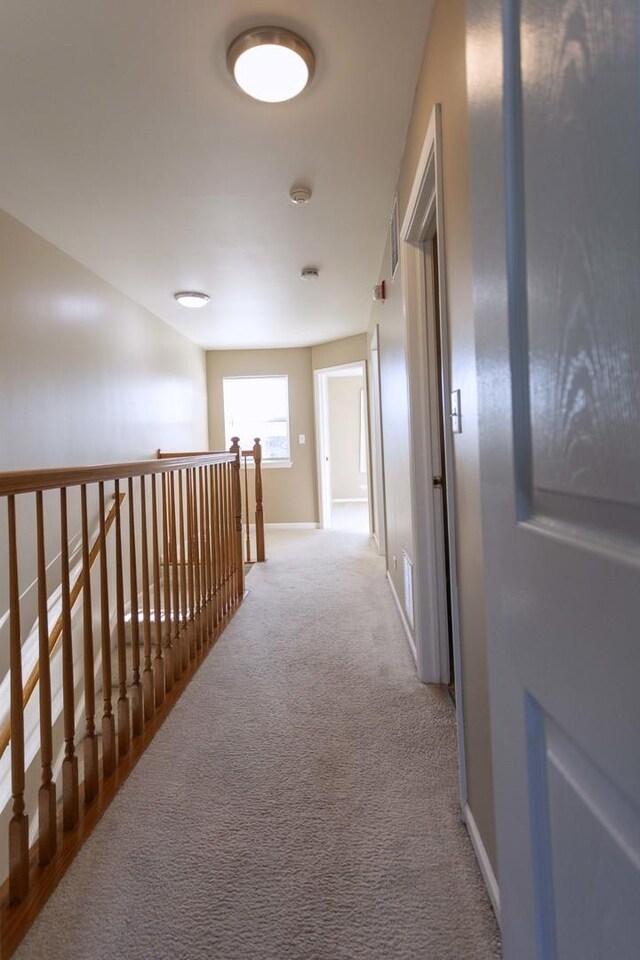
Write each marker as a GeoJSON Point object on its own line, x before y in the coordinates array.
{"type": "Point", "coordinates": [259, 37]}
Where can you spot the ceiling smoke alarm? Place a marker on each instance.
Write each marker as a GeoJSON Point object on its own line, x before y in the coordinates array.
{"type": "Point", "coordinates": [300, 195]}
{"type": "Point", "coordinates": [309, 273]}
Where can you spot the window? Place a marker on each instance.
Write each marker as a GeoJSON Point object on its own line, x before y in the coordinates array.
{"type": "Point", "coordinates": [258, 407]}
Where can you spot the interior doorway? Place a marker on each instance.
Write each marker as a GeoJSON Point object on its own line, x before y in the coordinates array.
{"type": "Point", "coordinates": [437, 375]}
{"type": "Point", "coordinates": [343, 448]}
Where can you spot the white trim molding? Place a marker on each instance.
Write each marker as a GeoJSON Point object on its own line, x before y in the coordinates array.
{"type": "Point", "coordinates": [291, 526]}
{"type": "Point", "coordinates": [269, 464]}
{"type": "Point", "coordinates": [484, 863]}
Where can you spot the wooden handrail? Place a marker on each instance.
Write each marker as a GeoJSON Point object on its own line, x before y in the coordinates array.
{"type": "Point", "coordinates": [185, 549]}
{"type": "Point", "coordinates": [29, 481]}
{"type": "Point", "coordinates": [56, 633]}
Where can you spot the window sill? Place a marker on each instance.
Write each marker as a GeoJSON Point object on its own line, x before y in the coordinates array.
{"type": "Point", "coordinates": [271, 464]}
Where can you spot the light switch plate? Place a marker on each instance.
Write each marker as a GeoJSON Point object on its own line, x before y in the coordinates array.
{"type": "Point", "coordinates": [456, 416]}
{"type": "Point", "coordinates": [302, 438]}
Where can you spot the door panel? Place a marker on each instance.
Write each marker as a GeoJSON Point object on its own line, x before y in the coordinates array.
{"type": "Point", "coordinates": [581, 150]}
{"type": "Point", "coordinates": [554, 109]}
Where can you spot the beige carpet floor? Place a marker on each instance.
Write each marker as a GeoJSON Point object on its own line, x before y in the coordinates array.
{"type": "Point", "coordinates": [298, 804]}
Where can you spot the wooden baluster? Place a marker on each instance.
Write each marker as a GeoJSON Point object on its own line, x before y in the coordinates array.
{"type": "Point", "coordinates": [70, 793]}
{"type": "Point", "coordinates": [257, 459]}
{"type": "Point", "coordinates": [19, 824]}
{"type": "Point", "coordinates": [108, 720]}
{"type": "Point", "coordinates": [159, 663]}
{"type": "Point", "coordinates": [124, 721]}
{"type": "Point", "coordinates": [47, 834]}
{"type": "Point", "coordinates": [221, 536]}
{"type": "Point", "coordinates": [184, 602]}
{"type": "Point", "coordinates": [238, 584]}
{"type": "Point", "coordinates": [246, 508]}
{"type": "Point", "coordinates": [213, 545]}
{"type": "Point", "coordinates": [230, 536]}
{"type": "Point", "coordinates": [168, 624]}
{"type": "Point", "coordinates": [90, 743]}
{"type": "Point", "coordinates": [198, 553]}
{"type": "Point", "coordinates": [177, 656]}
{"type": "Point", "coordinates": [206, 535]}
{"type": "Point", "coordinates": [206, 568]}
{"type": "Point", "coordinates": [147, 671]}
{"type": "Point", "coordinates": [225, 535]}
{"type": "Point", "coordinates": [231, 533]}
{"type": "Point", "coordinates": [215, 528]}
{"type": "Point", "coordinates": [191, 624]}
{"type": "Point", "coordinates": [207, 540]}
{"type": "Point", "coordinates": [136, 688]}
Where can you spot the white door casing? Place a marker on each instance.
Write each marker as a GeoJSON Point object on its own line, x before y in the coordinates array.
{"type": "Point", "coordinates": [323, 451]}
{"type": "Point", "coordinates": [423, 219]}
{"type": "Point", "coordinates": [377, 446]}
{"type": "Point", "coordinates": [555, 135]}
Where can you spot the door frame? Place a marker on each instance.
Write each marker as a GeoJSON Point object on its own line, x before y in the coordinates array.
{"type": "Point", "coordinates": [424, 217]}
{"type": "Point", "coordinates": [321, 406]}
{"type": "Point", "coordinates": [379, 499]}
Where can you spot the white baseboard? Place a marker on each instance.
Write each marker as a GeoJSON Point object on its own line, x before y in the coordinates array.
{"type": "Point", "coordinates": [486, 869]}
{"type": "Point", "coordinates": [291, 526]}
{"type": "Point", "coordinates": [403, 618]}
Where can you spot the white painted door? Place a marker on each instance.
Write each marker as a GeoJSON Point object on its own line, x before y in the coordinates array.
{"type": "Point", "coordinates": [556, 158]}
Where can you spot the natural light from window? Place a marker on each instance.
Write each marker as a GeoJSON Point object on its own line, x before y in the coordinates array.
{"type": "Point", "coordinates": [258, 407]}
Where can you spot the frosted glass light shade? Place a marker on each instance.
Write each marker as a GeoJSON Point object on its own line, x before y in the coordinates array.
{"type": "Point", "coordinates": [271, 64]}
{"type": "Point", "coordinates": [192, 299]}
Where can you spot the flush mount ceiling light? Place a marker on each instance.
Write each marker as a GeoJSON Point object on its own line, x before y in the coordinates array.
{"type": "Point", "coordinates": [191, 298]}
{"type": "Point", "coordinates": [271, 64]}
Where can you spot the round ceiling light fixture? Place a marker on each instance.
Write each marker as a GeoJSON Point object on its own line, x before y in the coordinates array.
{"type": "Point", "coordinates": [191, 298]}
{"type": "Point", "coordinates": [271, 64]}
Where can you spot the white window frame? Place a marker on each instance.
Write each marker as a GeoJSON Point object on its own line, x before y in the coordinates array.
{"type": "Point", "coordinates": [268, 463]}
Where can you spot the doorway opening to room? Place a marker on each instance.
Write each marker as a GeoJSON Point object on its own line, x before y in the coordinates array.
{"type": "Point", "coordinates": [435, 416]}
{"type": "Point", "coordinates": [343, 447]}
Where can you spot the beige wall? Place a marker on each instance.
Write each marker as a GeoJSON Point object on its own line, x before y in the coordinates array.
{"type": "Point", "coordinates": [289, 493]}
{"type": "Point", "coordinates": [343, 396]}
{"type": "Point", "coordinates": [336, 352]}
{"type": "Point", "coordinates": [442, 80]}
{"type": "Point", "coordinates": [86, 375]}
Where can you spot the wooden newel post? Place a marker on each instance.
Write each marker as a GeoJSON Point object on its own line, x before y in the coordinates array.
{"type": "Point", "coordinates": [257, 459]}
{"type": "Point", "coordinates": [237, 512]}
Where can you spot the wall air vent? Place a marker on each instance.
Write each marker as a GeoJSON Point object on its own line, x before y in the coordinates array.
{"type": "Point", "coordinates": [407, 570]}
{"type": "Point", "coordinates": [393, 238]}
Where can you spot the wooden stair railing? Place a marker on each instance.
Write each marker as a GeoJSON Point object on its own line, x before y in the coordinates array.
{"type": "Point", "coordinates": [244, 456]}
{"type": "Point", "coordinates": [56, 633]}
{"type": "Point", "coordinates": [188, 595]}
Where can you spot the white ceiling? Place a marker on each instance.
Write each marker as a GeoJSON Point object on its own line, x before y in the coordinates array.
{"type": "Point", "coordinates": [125, 142]}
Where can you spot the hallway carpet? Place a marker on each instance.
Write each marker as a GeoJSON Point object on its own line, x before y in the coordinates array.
{"type": "Point", "coordinates": [298, 804]}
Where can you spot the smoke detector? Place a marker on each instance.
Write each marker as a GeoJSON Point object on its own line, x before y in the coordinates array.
{"type": "Point", "coordinates": [309, 273]}
{"type": "Point", "coordinates": [299, 195]}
